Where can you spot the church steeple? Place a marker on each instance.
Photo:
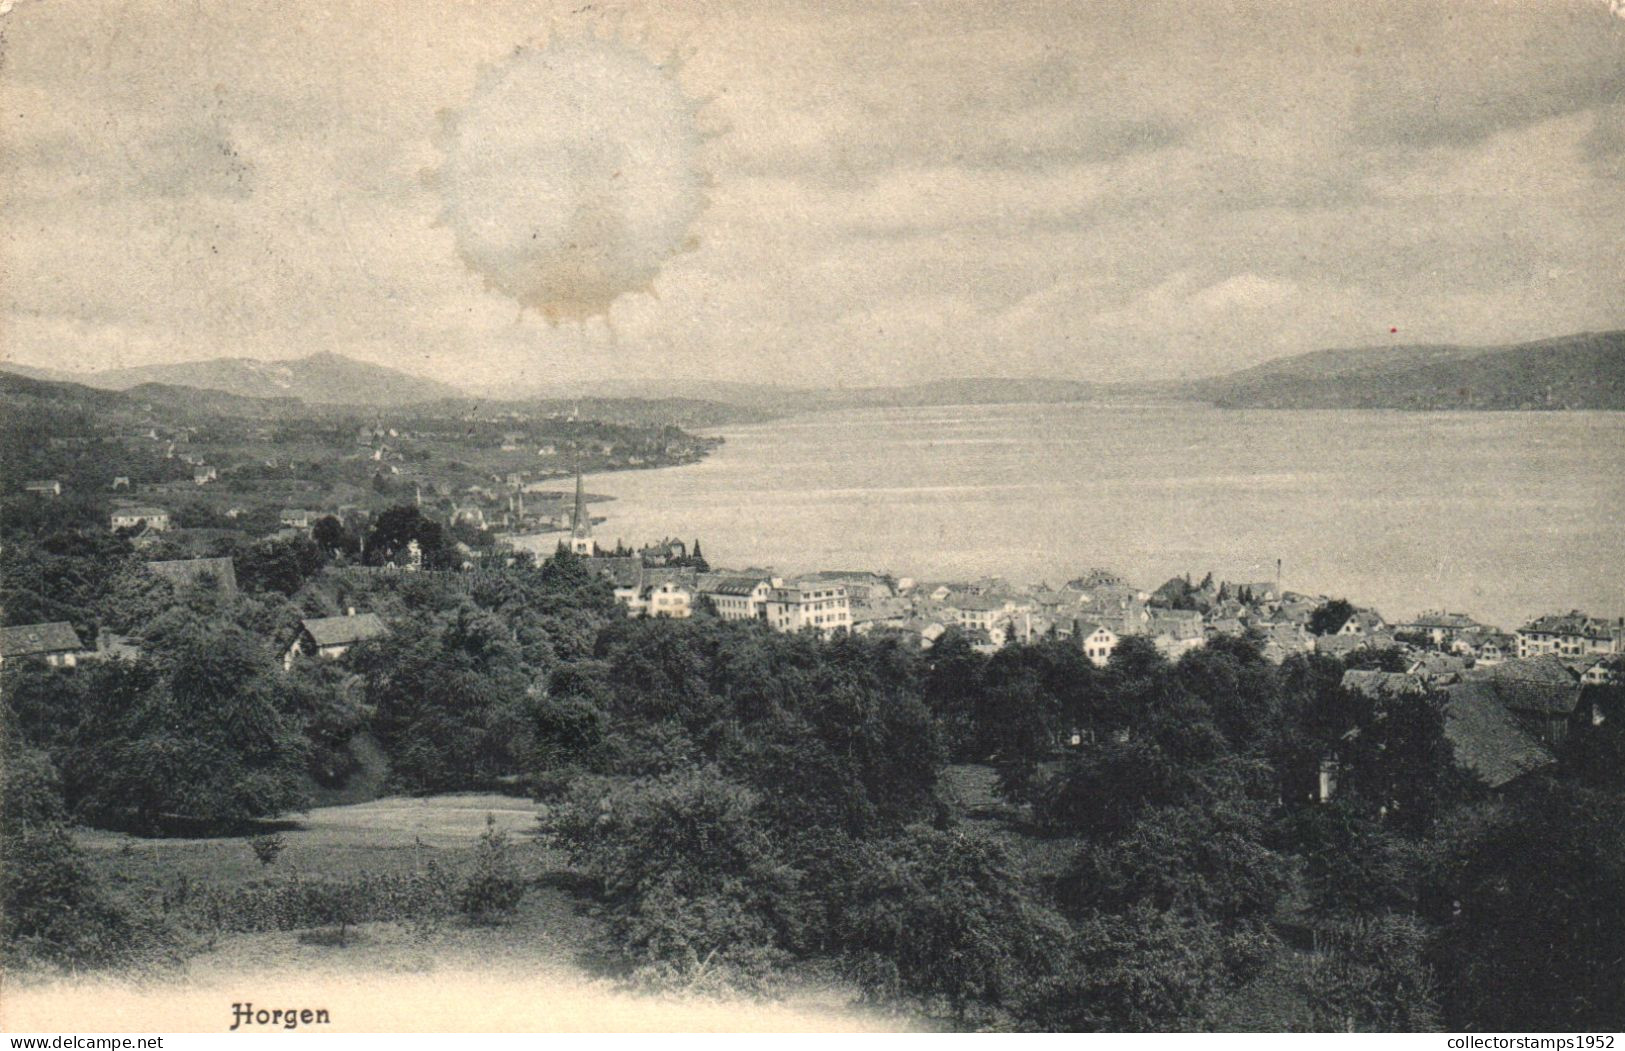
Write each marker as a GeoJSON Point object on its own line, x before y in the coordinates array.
{"type": "Point", "coordinates": [581, 541]}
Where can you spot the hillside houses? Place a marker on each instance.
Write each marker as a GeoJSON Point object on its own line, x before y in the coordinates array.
{"type": "Point", "coordinates": [1097, 640]}
{"type": "Point", "coordinates": [299, 518]}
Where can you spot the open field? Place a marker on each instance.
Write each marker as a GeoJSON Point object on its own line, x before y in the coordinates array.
{"type": "Point", "coordinates": [533, 973]}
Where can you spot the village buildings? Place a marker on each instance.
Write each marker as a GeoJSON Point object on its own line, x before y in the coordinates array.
{"type": "Point", "coordinates": [1572, 634]}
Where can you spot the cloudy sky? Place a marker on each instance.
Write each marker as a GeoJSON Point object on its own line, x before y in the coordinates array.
{"type": "Point", "coordinates": [507, 195]}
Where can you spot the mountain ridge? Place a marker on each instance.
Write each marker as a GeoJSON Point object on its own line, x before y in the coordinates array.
{"type": "Point", "coordinates": [1583, 370]}
{"type": "Point", "coordinates": [322, 378]}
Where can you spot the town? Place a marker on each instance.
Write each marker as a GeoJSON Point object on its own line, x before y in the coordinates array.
{"type": "Point", "coordinates": [1507, 694]}
{"type": "Point", "coordinates": [343, 639]}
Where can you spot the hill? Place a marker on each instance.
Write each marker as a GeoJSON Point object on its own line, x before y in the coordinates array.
{"type": "Point", "coordinates": [1583, 371]}
{"type": "Point", "coordinates": [320, 379]}
{"type": "Point", "coordinates": [767, 400]}
{"type": "Point", "coordinates": [631, 411]}
{"type": "Point", "coordinates": [142, 401]}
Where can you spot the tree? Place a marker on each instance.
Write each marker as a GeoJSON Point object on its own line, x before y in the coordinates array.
{"type": "Point", "coordinates": [278, 564]}
{"type": "Point", "coordinates": [1370, 974]}
{"type": "Point", "coordinates": [452, 700]}
{"type": "Point", "coordinates": [951, 686]}
{"type": "Point", "coordinates": [330, 535]}
{"type": "Point", "coordinates": [198, 734]}
{"type": "Point", "coordinates": [1533, 943]}
{"type": "Point", "coordinates": [1141, 971]}
{"type": "Point", "coordinates": [1207, 860]}
{"type": "Point", "coordinates": [52, 906]}
{"type": "Point", "coordinates": [687, 876]}
{"type": "Point", "coordinates": [393, 532]}
{"type": "Point", "coordinates": [945, 917]}
{"type": "Point", "coordinates": [1329, 617]}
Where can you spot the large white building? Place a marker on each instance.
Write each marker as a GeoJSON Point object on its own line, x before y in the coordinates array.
{"type": "Point", "coordinates": [737, 596]}
{"type": "Point", "coordinates": [809, 604]}
{"type": "Point", "coordinates": [1572, 634]}
{"type": "Point", "coordinates": [155, 518]}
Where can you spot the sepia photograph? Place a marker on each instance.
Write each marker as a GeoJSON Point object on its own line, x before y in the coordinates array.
{"type": "Point", "coordinates": [812, 516]}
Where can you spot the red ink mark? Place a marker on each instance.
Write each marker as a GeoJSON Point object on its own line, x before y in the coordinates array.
{"type": "Point", "coordinates": [1392, 330]}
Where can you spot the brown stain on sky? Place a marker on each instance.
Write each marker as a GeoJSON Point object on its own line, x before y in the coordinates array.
{"type": "Point", "coordinates": [572, 175]}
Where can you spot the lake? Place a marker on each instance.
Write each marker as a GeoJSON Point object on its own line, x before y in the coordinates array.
{"type": "Point", "coordinates": [1502, 515]}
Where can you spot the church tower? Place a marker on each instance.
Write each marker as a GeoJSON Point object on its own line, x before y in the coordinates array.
{"type": "Point", "coordinates": [581, 541]}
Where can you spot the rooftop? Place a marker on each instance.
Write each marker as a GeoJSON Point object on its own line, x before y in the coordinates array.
{"type": "Point", "coordinates": [343, 631]}
{"type": "Point", "coordinates": [27, 640]}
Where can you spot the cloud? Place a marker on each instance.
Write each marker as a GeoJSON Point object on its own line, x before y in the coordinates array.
{"type": "Point", "coordinates": [1096, 190]}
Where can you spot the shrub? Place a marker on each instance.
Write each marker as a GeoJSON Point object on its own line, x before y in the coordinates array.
{"type": "Point", "coordinates": [296, 903]}
{"type": "Point", "coordinates": [493, 889]}
{"type": "Point", "coordinates": [52, 906]}
{"type": "Point", "coordinates": [685, 872]}
{"type": "Point", "coordinates": [942, 916]}
{"type": "Point", "coordinates": [267, 848]}
{"type": "Point", "coordinates": [1142, 971]}
{"type": "Point", "coordinates": [1369, 975]}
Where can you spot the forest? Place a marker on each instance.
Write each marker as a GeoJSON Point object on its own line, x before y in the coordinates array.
{"type": "Point", "coordinates": [1015, 841]}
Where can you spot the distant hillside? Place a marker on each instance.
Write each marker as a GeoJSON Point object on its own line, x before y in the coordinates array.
{"type": "Point", "coordinates": [320, 379]}
{"type": "Point", "coordinates": [632, 411]}
{"type": "Point", "coordinates": [769, 400]}
{"type": "Point", "coordinates": [57, 396]}
{"type": "Point", "coordinates": [1585, 371]}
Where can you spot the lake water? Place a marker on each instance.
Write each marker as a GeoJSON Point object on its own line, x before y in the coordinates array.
{"type": "Point", "coordinates": [1503, 515]}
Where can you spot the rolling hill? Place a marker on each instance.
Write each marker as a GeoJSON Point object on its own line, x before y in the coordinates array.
{"type": "Point", "coordinates": [1583, 371]}
{"type": "Point", "coordinates": [771, 400]}
{"type": "Point", "coordinates": [320, 379]}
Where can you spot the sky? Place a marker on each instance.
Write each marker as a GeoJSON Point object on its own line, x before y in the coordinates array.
{"type": "Point", "coordinates": [508, 196]}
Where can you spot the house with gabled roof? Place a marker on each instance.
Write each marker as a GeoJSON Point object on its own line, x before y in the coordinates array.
{"type": "Point", "coordinates": [736, 596]}
{"type": "Point", "coordinates": [1096, 640]}
{"type": "Point", "coordinates": [50, 488]}
{"type": "Point", "coordinates": [1440, 626]}
{"type": "Point", "coordinates": [55, 642]}
{"type": "Point", "coordinates": [1542, 692]}
{"type": "Point", "coordinates": [331, 637]}
{"type": "Point", "coordinates": [1485, 737]}
{"type": "Point", "coordinates": [154, 519]}
{"type": "Point", "coordinates": [1597, 669]}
